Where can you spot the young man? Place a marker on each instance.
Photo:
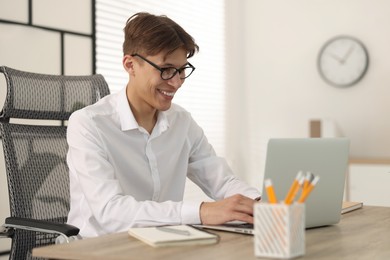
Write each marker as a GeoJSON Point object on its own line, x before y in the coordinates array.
{"type": "Point", "coordinates": [130, 153]}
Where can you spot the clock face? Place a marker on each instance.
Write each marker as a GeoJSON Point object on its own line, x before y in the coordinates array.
{"type": "Point", "coordinates": [343, 61]}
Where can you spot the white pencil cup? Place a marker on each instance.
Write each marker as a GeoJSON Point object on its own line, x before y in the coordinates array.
{"type": "Point", "coordinates": [279, 230]}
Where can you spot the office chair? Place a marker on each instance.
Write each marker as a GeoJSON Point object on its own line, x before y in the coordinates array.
{"type": "Point", "coordinates": [35, 154]}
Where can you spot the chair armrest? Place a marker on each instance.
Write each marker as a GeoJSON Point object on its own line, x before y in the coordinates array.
{"type": "Point", "coordinates": [6, 232]}
{"type": "Point", "coordinates": [41, 226]}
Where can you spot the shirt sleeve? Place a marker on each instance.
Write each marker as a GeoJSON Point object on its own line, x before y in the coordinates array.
{"type": "Point", "coordinates": [98, 202]}
{"type": "Point", "coordinates": [212, 173]}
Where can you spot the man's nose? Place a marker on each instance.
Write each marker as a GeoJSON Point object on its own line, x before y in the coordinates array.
{"type": "Point", "coordinates": [176, 81]}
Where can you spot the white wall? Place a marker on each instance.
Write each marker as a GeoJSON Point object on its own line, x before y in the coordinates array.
{"type": "Point", "coordinates": [276, 88]}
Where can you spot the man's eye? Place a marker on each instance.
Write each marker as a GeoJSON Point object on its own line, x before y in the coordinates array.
{"type": "Point", "coordinates": [169, 69]}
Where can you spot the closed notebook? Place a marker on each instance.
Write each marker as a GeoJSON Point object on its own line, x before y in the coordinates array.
{"type": "Point", "coordinates": [173, 236]}
{"type": "Point", "coordinates": [350, 206]}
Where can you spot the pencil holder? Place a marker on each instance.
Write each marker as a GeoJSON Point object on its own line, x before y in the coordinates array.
{"type": "Point", "coordinates": [279, 230]}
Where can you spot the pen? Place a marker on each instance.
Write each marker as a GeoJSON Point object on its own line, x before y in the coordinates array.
{"type": "Point", "coordinates": [174, 231]}
{"type": "Point", "coordinates": [270, 191]}
{"type": "Point", "coordinates": [307, 191]}
{"type": "Point", "coordinates": [294, 188]}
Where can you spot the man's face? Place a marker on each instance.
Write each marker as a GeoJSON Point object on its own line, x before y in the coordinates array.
{"type": "Point", "coordinates": [150, 89]}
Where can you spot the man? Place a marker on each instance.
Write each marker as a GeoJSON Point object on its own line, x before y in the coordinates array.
{"type": "Point", "coordinates": [130, 153]}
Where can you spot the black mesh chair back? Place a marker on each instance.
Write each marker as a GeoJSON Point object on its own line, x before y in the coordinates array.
{"type": "Point", "coordinates": [35, 148]}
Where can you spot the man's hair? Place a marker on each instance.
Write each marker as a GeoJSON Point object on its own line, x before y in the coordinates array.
{"type": "Point", "coordinates": [149, 34]}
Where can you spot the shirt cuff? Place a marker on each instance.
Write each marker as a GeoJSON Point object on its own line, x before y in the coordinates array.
{"type": "Point", "coordinates": [255, 196]}
{"type": "Point", "coordinates": [190, 212]}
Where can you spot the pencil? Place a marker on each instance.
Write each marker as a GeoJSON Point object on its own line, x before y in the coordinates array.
{"type": "Point", "coordinates": [294, 188]}
{"type": "Point", "coordinates": [308, 179]}
{"type": "Point", "coordinates": [270, 191]}
{"type": "Point", "coordinates": [307, 191]}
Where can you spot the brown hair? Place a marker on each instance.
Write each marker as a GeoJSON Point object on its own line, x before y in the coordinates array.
{"type": "Point", "coordinates": [150, 34]}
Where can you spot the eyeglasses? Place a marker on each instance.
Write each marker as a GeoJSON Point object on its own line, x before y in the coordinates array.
{"type": "Point", "coordinates": [170, 72]}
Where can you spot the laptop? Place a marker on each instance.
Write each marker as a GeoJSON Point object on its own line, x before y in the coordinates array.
{"type": "Point", "coordinates": [325, 157]}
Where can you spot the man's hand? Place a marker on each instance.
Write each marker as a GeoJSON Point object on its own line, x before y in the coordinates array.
{"type": "Point", "coordinates": [236, 207]}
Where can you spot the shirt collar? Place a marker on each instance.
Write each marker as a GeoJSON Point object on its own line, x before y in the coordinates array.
{"type": "Point", "coordinates": [162, 123]}
{"type": "Point", "coordinates": [127, 118]}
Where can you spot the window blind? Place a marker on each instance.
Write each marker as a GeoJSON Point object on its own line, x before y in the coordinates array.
{"type": "Point", "coordinates": [203, 92]}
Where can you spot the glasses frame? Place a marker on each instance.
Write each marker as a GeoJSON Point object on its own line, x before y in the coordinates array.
{"type": "Point", "coordinates": [162, 70]}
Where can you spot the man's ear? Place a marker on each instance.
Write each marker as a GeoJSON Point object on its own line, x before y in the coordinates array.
{"type": "Point", "coordinates": [128, 64]}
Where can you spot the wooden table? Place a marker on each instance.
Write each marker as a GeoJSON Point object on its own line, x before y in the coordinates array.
{"type": "Point", "coordinates": [361, 234]}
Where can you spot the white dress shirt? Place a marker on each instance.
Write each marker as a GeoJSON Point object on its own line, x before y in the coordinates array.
{"type": "Point", "coordinates": [121, 176]}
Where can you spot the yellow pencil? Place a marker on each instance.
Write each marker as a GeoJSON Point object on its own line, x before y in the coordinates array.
{"type": "Point", "coordinates": [308, 179]}
{"type": "Point", "coordinates": [294, 188]}
{"type": "Point", "coordinates": [307, 191]}
{"type": "Point", "coordinates": [270, 191]}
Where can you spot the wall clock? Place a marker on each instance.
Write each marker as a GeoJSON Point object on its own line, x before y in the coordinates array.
{"type": "Point", "coordinates": [343, 61]}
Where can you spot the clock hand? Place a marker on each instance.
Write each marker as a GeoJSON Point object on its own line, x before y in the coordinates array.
{"type": "Point", "coordinates": [344, 59]}
{"type": "Point", "coordinates": [340, 60]}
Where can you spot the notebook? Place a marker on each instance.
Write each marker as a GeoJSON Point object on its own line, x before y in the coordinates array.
{"type": "Point", "coordinates": [326, 157]}
{"type": "Point", "coordinates": [179, 235]}
{"type": "Point", "coordinates": [349, 206]}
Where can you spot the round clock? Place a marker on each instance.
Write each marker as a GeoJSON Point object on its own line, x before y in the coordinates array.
{"type": "Point", "coordinates": [343, 61]}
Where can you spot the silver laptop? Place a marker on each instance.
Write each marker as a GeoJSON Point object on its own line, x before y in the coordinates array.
{"type": "Point", "coordinates": [326, 157]}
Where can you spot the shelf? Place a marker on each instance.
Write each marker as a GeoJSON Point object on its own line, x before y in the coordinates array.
{"type": "Point", "coordinates": [369, 160]}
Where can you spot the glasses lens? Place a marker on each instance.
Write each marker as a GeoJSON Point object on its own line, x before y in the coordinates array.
{"type": "Point", "coordinates": [186, 72]}
{"type": "Point", "coordinates": [169, 73]}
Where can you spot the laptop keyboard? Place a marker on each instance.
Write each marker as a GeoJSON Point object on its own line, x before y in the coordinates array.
{"type": "Point", "coordinates": [239, 225]}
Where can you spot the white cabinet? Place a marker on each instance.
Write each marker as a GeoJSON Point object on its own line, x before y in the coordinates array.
{"type": "Point", "coordinates": [368, 181]}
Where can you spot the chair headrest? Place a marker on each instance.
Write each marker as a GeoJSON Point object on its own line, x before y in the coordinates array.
{"type": "Point", "coordinates": [53, 97]}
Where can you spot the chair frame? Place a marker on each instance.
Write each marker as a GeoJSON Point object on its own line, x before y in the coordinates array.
{"type": "Point", "coordinates": [11, 111]}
